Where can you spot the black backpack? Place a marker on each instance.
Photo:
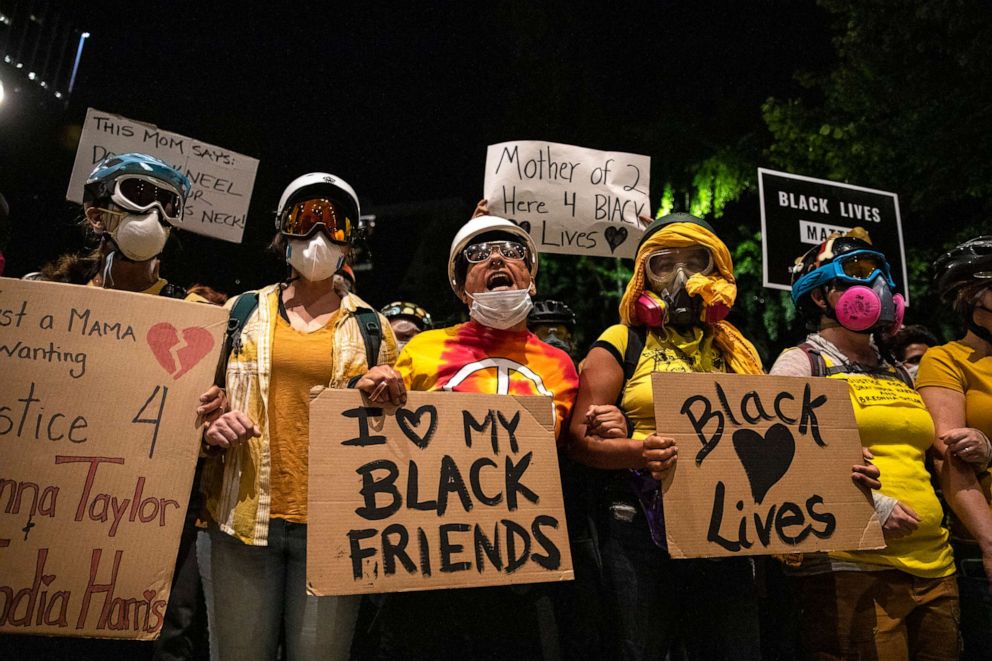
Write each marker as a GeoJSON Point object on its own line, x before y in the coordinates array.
{"type": "Point", "coordinates": [245, 304]}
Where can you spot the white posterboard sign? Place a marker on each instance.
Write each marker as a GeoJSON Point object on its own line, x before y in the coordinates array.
{"type": "Point", "coordinates": [222, 179]}
{"type": "Point", "coordinates": [571, 200]}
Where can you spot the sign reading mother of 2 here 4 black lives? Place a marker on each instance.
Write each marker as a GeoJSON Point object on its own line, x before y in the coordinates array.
{"type": "Point", "coordinates": [764, 466]}
{"type": "Point", "coordinates": [571, 200]}
{"type": "Point", "coordinates": [797, 213]}
{"type": "Point", "coordinates": [98, 444]}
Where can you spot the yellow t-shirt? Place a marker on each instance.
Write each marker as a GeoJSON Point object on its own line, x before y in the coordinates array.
{"type": "Point", "coordinates": [668, 351]}
{"type": "Point", "coordinates": [956, 366]}
{"type": "Point", "coordinates": [300, 361]}
{"type": "Point", "coordinates": [896, 426]}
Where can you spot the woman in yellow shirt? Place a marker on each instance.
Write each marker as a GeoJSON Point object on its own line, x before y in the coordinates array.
{"type": "Point", "coordinates": [955, 381]}
{"type": "Point", "coordinates": [900, 602]}
{"type": "Point", "coordinates": [302, 333]}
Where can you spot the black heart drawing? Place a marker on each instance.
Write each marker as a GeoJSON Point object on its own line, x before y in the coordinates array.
{"type": "Point", "coordinates": [408, 421]}
{"type": "Point", "coordinates": [615, 236]}
{"type": "Point", "coordinates": [767, 459]}
{"type": "Point", "coordinates": [524, 225]}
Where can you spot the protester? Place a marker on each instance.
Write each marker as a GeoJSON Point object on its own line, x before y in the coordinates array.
{"type": "Point", "coordinates": [554, 323]}
{"type": "Point", "coordinates": [955, 381]}
{"type": "Point", "coordinates": [288, 337]}
{"type": "Point", "coordinates": [128, 202]}
{"type": "Point", "coordinates": [407, 319]}
{"type": "Point", "coordinates": [900, 602]}
{"type": "Point", "coordinates": [908, 345]}
{"type": "Point", "coordinates": [492, 268]}
{"type": "Point", "coordinates": [672, 315]}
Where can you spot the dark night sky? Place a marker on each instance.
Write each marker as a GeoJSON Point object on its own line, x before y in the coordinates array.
{"type": "Point", "coordinates": [402, 100]}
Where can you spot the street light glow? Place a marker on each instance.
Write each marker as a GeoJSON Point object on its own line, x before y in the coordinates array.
{"type": "Point", "coordinates": [1, 92]}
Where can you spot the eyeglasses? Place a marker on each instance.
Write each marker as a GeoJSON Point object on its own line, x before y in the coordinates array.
{"type": "Point", "coordinates": [663, 263]}
{"type": "Point", "coordinates": [306, 216]}
{"type": "Point", "coordinates": [859, 267]}
{"type": "Point", "coordinates": [140, 193]}
{"type": "Point", "coordinates": [480, 252]}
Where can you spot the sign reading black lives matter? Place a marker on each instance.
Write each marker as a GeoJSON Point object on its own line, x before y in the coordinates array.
{"type": "Point", "coordinates": [764, 466]}
{"type": "Point", "coordinates": [797, 213]}
{"type": "Point", "coordinates": [98, 444]}
{"type": "Point", "coordinates": [222, 179]}
{"type": "Point", "coordinates": [452, 490]}
{"type": "Point", "coordinates": [570, 199]}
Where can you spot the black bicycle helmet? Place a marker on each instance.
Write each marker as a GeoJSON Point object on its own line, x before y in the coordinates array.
{"type": "Point", "coordinates": [551, 312]}
{"type": "Point", "coordinates": [959, 270]}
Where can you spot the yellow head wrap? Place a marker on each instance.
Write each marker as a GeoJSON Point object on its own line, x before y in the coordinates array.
{"type": "Point", "coordinates": [716, 289]}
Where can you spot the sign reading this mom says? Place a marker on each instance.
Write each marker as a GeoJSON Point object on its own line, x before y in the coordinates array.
{"type": "Point", "coordinates": [222, 179]}
{"type": "Point", "coordinates": [570, 199]}
{"type": "Point", "coordinates": [98, 443]}
{"type": "Point", "coordinates": [452, 490]}
{"type": "Point", "coordinates": [764, 466]}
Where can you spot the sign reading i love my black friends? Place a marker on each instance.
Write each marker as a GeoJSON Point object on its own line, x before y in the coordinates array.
{"type": "Point", "coordinates": [764, 466]}
{"type": "Point", "coordinates": [451, 490]}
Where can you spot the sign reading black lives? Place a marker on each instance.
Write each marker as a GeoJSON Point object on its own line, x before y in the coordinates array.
{"type": "Point", "coordinates": [450, 490]}
{"type": "Point", "coordinates": [764, 466]}
{"type": "Point", "coordinates": [799, 212]}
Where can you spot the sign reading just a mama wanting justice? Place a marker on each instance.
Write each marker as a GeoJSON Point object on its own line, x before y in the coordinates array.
{"type": "Point", "coordinates": [764, 466]}
{"type": "Point", "coordinates": [451, 490]}
{"type": "Point", "coordinates": [98, 444]}
{"type": "Point", "coordinates": [797, 213]}
{"type": "Point", "coordinates": [222, 179]}
{"type": "Point", "coordinates": [571, 200]}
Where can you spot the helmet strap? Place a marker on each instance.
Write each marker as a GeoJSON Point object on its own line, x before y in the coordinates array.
{"type": "Point", "coordinates": [981, 331]}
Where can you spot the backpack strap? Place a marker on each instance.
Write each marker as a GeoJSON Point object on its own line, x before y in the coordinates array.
{"type": "Point", "coordinates": [371, 329]}
{"type": "Point", "coordinates": [817, 365]}
{"type": "Point", "coordinates": [243, 306]}
{"type": "Point", "coordinates": [172, 291]}
{"type": "Point", "coordinates": [636, 337]}
{"type": "Point", "coordinates": [903, 375]}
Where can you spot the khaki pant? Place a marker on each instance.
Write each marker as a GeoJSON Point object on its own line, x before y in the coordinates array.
{"type": "Point", "coordinates": [879, 616]}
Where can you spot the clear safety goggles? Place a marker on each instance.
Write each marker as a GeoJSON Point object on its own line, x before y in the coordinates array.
{"type": "Point", "coordinates": [480, 252]}
{"type": "Point", "coordinates": [137, 192]}
{"type": "Point", "coordinates": [307, 216]}
{"type": "Point", "coordinates": [662, 264]}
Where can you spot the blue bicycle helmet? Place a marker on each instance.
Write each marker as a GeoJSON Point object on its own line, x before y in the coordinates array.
{"type": "Point", "coordinates": [100, 184]}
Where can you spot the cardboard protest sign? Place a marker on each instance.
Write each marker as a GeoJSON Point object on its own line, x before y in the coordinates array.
{"type": "Point", "coordinates": [764, 466]}
{"type": "Point", "coordinates": [98, 443]}
{"type": "Point", "coordinates": [222, 179]}
{"type": "Point", "coordinates": [798, 213]}
{"type": "Point", "coordinates": [570, 199]}
{"type": "Point", "coordinates": [453, 490]}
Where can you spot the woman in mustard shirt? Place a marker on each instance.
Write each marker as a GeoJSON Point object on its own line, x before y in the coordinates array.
{"type": "Point", "coordinates": [301, 333]}
{"type": "Point", "coordinates": [955, 381]}
{"type": "Point", "coordinates": [900, 602]}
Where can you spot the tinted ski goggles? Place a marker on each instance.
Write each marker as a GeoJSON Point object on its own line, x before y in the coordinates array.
{"type": "Point", "coordinates": [137, 192]}
{"type": "Point", "coordinates": [307, 216]}
{"type": "Point", "coordinates": [859, 267]}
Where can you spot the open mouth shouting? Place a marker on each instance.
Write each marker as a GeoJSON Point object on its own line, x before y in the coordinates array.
{"type": "Point", "coordinates": [499, 281]}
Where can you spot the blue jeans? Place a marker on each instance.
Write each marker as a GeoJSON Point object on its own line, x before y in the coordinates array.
{"type": "Point", "coordinates": [661, 604]}
{"type": "Point", "coordinates": [260, 591]}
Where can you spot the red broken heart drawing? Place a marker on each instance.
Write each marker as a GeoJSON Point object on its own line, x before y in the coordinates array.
{"type": "Point", "coordinates": [163, 337]}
